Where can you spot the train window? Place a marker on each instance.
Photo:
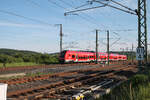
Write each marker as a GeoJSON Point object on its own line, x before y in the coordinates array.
{"type": "Point", "coordinates": [62, 55]}
{"type": "Point", "coordinates": [73, 56]}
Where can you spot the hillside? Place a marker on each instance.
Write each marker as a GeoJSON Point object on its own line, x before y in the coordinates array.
{"type": "Point", "coordinates": [23, 56]}
{"type": "Point", "coordinates": [13, 52]}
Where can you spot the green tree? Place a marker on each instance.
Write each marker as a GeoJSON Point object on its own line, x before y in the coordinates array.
{"type": "Point", "coordinates": [45, 59]}
{"type": "Point", "coordinates": [37, 58]}
{"type": "Point", "coordinates": [6, 59]}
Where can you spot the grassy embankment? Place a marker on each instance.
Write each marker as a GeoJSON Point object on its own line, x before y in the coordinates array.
{"type": "Point", "coordinates": [19, 64]}
{"type": "Point", "coordinates": [136, 88]}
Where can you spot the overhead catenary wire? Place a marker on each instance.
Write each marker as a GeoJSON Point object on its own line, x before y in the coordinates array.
{"type": "Point", "coordinates": [34, 3]}
{"type": "Point", "coordinates": [89, 17]}
{"type": "Point", "coordinates": [24, 17]}
{"type": "Point", "coordinates": [84, 18]}
{"type": "Point", "coordinates": [66, 3]}
{"type": "Point", "coordinates": [122, 30]}
{"type": "Point", "coordinates": [104, 5]}
{"type": "Point", "coordinates": [122, 5]}
{"type": "Point", "coordinates": [133, 12]}
{"type": "Point", "coordinates": [37, 5]}
{"type": "Point", "coordinates": [72, 6]}
{"type": "Point", "coordinates": [83, 5]}
{"type": "Point", "coordinates": [52, 1]}
{"type": "Point", "coordinates": [66, 13]}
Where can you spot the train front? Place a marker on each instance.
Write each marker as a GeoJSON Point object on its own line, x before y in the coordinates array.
{"type": "Point", "coordinates": [62, 57]}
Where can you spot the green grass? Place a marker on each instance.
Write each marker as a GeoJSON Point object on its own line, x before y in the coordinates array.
{"type": "Point", "coordinates": [136, 88]}
{"type": "Point", "coordinates": [27, 75]}
{"type": "Point", "coordinates": [37, 74]}
{"type": "Point", "coordinates": [19, 64]}
{"type": "Point", "coordinates": [142, 92]}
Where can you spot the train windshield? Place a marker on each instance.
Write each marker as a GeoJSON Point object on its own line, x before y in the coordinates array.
{"type": "Point", "coordinates": [62, 55]}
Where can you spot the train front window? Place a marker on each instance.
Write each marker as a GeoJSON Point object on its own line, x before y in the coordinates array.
{"type": "Point", "coordinates": [62, 55]}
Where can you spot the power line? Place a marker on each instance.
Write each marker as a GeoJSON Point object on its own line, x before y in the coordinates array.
{"type": "Point", "coordinates": [120, 30]}
{"type": "Point", "coordinates": [122, 5]}
{"type": "Point", "coordinates": [24, 17]}
{"type": "Point", "coordinates": [34, 3]}
{"type": "Point", "coordinates": [83, 5]}
{"type": "Point", "coordinates": [84, 14]}
{"type": "Point", "coordinates": [51, 1]}
{"type": "Point", "coordinates": [84, 18]}
{"type": "Point", "coordinates": [79, 10]}
{"type": "Point", "coordinates": [66, 3]}
{"type": "Point", "coordinates": [71, 6]}
{"type": "Point", "coordinates": [37, 5]}
{"type": "Point", "coordinates": [103, 5]}
{"type": "Point", "coordinates": [127, 11]}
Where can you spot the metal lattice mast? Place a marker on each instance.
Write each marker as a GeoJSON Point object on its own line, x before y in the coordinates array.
{"type": "Point", "coordinates": [142, 27]}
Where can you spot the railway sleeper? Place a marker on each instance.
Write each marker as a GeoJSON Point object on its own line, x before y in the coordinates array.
{"type": "Point", "coordinates": [61, 83]}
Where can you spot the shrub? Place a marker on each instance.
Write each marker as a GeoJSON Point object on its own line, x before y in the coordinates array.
{"type": "Point", "coordinates": [139, 79]}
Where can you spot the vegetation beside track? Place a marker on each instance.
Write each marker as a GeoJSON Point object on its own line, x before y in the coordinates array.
{"type": "Point", "coordinates": [10, 57]}
{"type": "Point", "coordinates": [37, 74]}
{"type": "Point", "coordinates": [19, 64]}
{"type": "Point", "coordinates": [136, 88]}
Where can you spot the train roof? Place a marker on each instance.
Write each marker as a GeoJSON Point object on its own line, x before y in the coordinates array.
{"type": "Point", "coordinates": [71, 51]}
{"type": "Point", "coordinates": [91, 52]}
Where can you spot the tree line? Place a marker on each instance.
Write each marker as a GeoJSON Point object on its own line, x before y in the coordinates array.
{"type": "Point", "coordinates": [16, 56]}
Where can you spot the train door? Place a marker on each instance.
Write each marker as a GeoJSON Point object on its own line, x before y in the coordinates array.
{"type": "Point", "coordinates": [76, 57]}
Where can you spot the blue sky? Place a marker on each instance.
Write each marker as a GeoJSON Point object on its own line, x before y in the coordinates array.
{"type": "Point", "coordinates": [25, 33]}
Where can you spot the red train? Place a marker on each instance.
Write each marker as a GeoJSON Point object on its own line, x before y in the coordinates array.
{"type": "Point", "coordinates": [68, 56]}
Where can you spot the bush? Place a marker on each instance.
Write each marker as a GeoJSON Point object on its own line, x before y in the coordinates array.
{"type": "Point", "coordinates": [139, 79]}
{"type": "Point", "coordinates": [137, 88]}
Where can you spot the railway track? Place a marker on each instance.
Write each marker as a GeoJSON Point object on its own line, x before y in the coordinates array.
{"type": "Point", "coordinates": [54, 89]}
{"type": "Point", "coordinates": [60, 74]}
{"type": "Point", "coordinates": [40, 66]}
{"type": "Point", "coordinates": [8, 70]}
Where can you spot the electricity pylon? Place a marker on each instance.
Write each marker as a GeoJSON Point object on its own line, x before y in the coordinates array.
{"type": "Point", "coordinates": [142, 27]}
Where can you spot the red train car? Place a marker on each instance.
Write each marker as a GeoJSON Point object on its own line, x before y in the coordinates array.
{"type": "Point", "coordinates": [76, 56]}
{"type": "Point", "coordinates": [68, 56]}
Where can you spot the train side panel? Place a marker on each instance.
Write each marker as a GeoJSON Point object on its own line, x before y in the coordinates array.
{"type": "Point", "coordinates": [78, 56]}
